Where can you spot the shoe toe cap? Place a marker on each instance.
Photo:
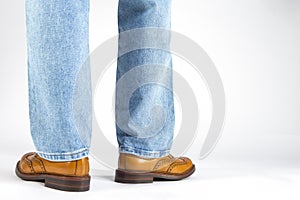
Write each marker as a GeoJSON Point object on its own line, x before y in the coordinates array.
{"type": "Point", "coordinates": [181, 165]}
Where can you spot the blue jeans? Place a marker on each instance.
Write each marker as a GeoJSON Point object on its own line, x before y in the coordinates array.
{"type": "Point", "coordinates": [58, 46]}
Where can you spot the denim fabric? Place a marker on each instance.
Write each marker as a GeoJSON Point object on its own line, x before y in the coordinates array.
{"type": "Point", "coordinates": [57, 43]}
{"type": "Point", "coordinates": [133, 138]}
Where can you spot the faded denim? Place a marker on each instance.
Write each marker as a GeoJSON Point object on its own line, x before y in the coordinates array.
{"type": "Point", "coordinates": [58, 46]}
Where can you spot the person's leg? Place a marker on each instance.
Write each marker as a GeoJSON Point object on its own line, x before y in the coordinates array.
{"type": "Point", "coordinates": [59, 93]}
{"type": "Point", "coordinates": [133, 137]}
{"type": "Point", "coordinates": [57, 39]}
{"type": "Point", "coordinates": [145, 121]}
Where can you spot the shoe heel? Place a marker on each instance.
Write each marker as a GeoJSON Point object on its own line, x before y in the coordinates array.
{"type": "Point", "coordinates": [68, 183]}
{"type": "Point", "coordinates": [133, 177]}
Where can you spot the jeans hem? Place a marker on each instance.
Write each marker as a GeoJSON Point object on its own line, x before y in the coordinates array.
{"type": "Point", "coordinates": [144, 153]}
{"type": "Point", "coordinates": [64, 157]}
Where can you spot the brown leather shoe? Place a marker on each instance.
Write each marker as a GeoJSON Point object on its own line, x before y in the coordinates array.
{"type": "Point", "coordinates": [134, 169]}
{"type": "Point", "coordinates": [67, 176]}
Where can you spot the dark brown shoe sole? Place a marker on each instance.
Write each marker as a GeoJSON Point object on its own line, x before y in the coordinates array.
{"type": "Point", "coordinates": [123, 176]}
{"type": "Point", "coordinates": [59, 182]}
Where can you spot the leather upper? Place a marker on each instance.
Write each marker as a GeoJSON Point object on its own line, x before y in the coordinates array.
{"type": "Point", "coordinates": [167, 164]}
{"type": "Point", "coordinates": [32, 163]}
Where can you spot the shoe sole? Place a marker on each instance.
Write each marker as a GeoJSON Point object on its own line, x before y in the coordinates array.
{"type": "Point", "coordinates": [123, 176]}
{"type": "Point", "coordinates": [59, 182]}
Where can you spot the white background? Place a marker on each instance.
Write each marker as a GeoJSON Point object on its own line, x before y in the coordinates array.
{"type": "Point", "coordinates": [255, 46]}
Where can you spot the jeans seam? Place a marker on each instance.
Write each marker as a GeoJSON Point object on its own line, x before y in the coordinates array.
{"type": "Point", "coordinates": [72, 113]}
{"type": "Point", "coordinates": [66, 156]}
{"type": "Point", "coordinates": [142, 152]}
{"type": "Point", "coordinates": [66, 153]}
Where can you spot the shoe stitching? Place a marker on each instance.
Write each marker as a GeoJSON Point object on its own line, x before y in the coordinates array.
{"type": "Point", "coordinates": [162, 162]}
{"type": "Point", "coordinates": [29, 163]}
{"type": "Point", "coordinates": [184, 173]}
{"type": "Point", "coordinates": [175, 164]}
{"type": "Point", "coordinates": [76, 163]}
{"type": "Point", "coordinates": [40, 163]}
